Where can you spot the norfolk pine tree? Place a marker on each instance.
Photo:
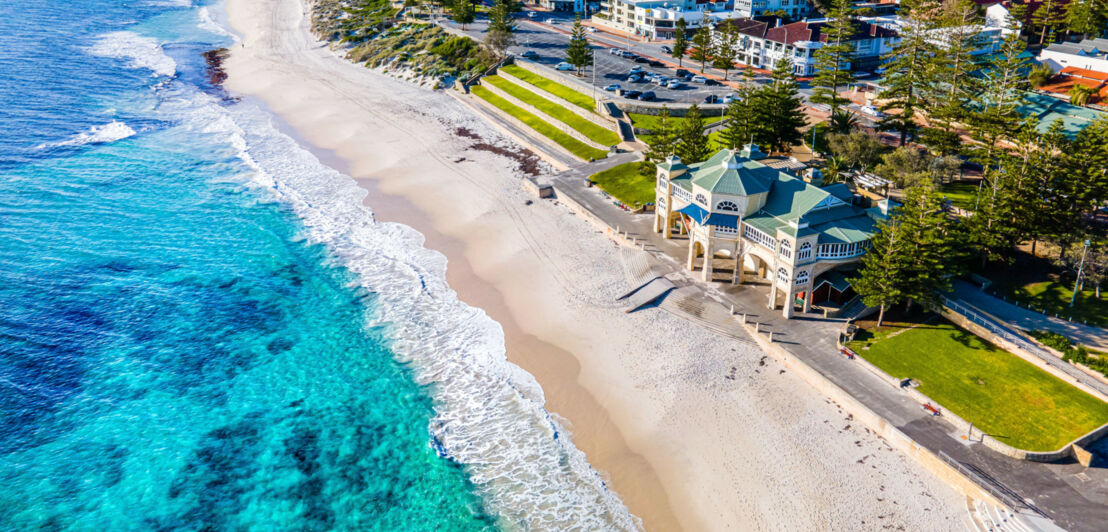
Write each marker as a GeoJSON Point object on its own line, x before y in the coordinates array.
{"type": "Point", "coordinates": [501, 32]}
{"type": "Point", "coordinates": [727, 49]}
{"type": "Point", "coordinates": [1050, 15]}
{"type": "Point", "coordinates": [743, 121]}
{"type": "Point", "coordinates": [780, 109]}
{"type": "Point", "coordinates": [834, 57]}
{"type": "Point", "coordinates": [928, 234]}
{"type": "Point", "coordinates": [908, 75]}
{"type": "Point", "coordinates": [692, 143]}
{"type": "Point", "coordinates": [952, 66]}
{"type": "Point", "coordinates": [881, 279]}
{"type": "Point", "coordinates": [680, 40]}
{"type": "Point", "coordinates": [578, 52]}
{"type": "Point", "coordinates": [702, 42]}
{"type": "Point", "coordinates": [662, 144]}
{"type": "Point", "coordinates": [1087, 17]}
{"type": "Point", "coordinates": [463, 13]}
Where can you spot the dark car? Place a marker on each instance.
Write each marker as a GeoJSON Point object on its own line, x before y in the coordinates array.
{"type": "Point", "coordinates": [647, 96]}
{"type": "Point", "coordinates": [711, 82]}
{"type": "Point", "coordinates": [656, 63]}
{"type": "Point", "coordinates": [530, 54]}
{"type": "Point", "coordinates": [631, 94]}
{"type": "Point", "coordinates": [641, 59]}
{"type": "Point", "coordinates": [682, 73]}
{"type": "Point", "coordinates": [711, 98]}
{"type": "Point", "coordinates": [667, 49]}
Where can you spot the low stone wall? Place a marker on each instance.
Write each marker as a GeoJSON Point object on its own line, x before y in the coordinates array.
{"type": "Point", "coordinates": [675, 109]}
{"type": "Point", "coordinates": [545, 117]}
{"type": "Point", "coordinates": [600, 120]}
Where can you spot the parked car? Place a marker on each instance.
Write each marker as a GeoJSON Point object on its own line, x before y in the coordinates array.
{"type": "Point", "coordinates": [641, 59]}
{"type": "Point", "coordinates": [563, 66]}
{"type": "Point", "coordinates": [674, 84]}
{"type": "Point", "coordinates": [730, 98]}
{"type": "Point", "coordinates": [531, 14]}
{"type": "Point", "coordinates": [667, 49]}
{"type": "Point", "coordinates": [699, 79]}
{"type": "Point", "coordinates": [711, 98]}
{"type": "Point", "coordinates": [872, 111]}
{"type": "Point", "coordinates": [627, 54]}
{"type": "Point", "coordinates": [661, 80]}
{"type": "Point", "coordinates": [635, 70]}
{"type": "Point", "coordinates": [647, 96]}
{"type": "Point", "coordinates": [552, 21]}
{"type": "Point", "coordinates": [656, 63]}
{"type": "Point", "coordinates": [612, 88]}
{"type": "Point", "coordinates": [634, 78]}
{"type": "Point", "coordinates": [590, 29]}
{"type": "Point", "coordinates": [682, 73]}
{"type": "Point", "coordinates": [631, 94]}
{"type": "Point", "coordinates": [530, 54]}
{"type": "Point", "coordinates": [615, 51]}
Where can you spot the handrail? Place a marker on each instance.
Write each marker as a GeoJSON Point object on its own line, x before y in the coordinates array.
{"type": "Point", "coordinates": [995, 488]}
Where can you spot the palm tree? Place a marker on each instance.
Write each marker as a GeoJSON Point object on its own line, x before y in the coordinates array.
{"type": "Point", "coordinates": [833, 170]}
{"type": "Point", "coordinates": [843, 121]}
{"type": "Point", "coordinates": [1079, 94]}
{"type": "Point", "coordinates": [1040, 75]}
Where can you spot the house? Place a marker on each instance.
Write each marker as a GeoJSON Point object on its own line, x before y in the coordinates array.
{"type": "Point", "coordinates": [805, 240]}
{"type": "Point", "coordinates": [564, 6]}
{"type": "Point", "coordinates": [1089, 54]}
{"type": "Point", "coordinates": [763, 41]}
{"type": "Point", "coordinates": [752, 8]}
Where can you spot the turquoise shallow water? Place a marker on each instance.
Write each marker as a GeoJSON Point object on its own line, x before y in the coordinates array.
{"type": "Point", "coordinates": [174, 351]}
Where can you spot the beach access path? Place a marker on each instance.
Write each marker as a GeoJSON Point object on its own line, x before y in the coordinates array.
{"type": "Point", "coordinates": [1075, 497]}
{"type": "Point", "coordinates": [693, 430]}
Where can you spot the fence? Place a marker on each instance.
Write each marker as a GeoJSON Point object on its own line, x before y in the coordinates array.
{"type": "Point", "coordinates": [991, 485]}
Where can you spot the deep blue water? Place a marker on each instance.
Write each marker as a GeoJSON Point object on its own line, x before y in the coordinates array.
{"type": "Point", "coordinates": [175, 351]}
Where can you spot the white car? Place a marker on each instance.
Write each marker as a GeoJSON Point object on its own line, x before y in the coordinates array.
{"type": "Point", "coordinates": [563, 66]}
{"type": "Point", "coordinates": [730, 98]}
{"type": "Point", "coordinates": [872, 111]}
{"type": "Point", "coordinates": [612, 88]}
{"type": "Point", "coordinates": [590, 29]}
{"type": "Point", "coordinates": [673, 84]}
{"type": "Point", "coordinates": [699, 79]}
{"type": "Point", "coordinates": [615, 51]}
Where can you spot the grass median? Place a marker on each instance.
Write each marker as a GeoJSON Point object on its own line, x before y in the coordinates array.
{"type": "Point", "coordinates": [553, 87]}
{"type": "Point", "coordinates": [571, 144]}
{"type": "Point", "coordinates": [625, 184]}
{"type": "Point", "coordinates": [594, 132]}
{"type": "Point", "coordinates": [1002, 394]}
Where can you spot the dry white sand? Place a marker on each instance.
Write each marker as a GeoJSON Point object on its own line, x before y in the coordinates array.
{"type": "Point", "coordinates": [694, 432]}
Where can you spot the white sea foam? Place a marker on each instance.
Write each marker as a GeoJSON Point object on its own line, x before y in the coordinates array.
{"type": "Point", "coordinates": [141, 51]}
{"type": "Point", "coordinates": [110, 132]}
{"type": "Point", "coordinates": [208, 23]}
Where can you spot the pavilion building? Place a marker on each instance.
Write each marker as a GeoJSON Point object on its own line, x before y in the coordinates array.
{"type": "Point", "coordinates": [804, 239]}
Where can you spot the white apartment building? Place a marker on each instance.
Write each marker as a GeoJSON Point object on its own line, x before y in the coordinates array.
{"type": "Point", "coordinates": [657, 19]}
{"type": "Point", "coordinates": [1089, 54]}
{"type": "Point", "coordinates": [763, 42]}
{"type": "Point", "coordinates": [752, 8]}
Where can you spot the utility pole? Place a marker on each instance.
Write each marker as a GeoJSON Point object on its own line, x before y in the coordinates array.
{"type": "Point", "coordinates": [1080, 270]}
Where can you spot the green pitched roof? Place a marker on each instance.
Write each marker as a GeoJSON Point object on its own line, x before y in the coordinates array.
{"type": "Point", "coordinates": [727, 172]}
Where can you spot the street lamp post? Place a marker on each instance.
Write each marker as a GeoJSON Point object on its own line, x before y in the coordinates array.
{"type": "Point", "coordinates": [1080, 270]}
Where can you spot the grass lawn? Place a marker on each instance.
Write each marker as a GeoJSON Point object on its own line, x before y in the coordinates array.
{"type": "Point", "coordinates": [594, 132]}
{"type": "Point", "coordinates": [625, 184]}
{"type": "Point", "coordinates": [1005, 396]}
{"type": "Point", "coordinates": [557, 89]}
{"type": "Point", "coordinates": [574, 146]}
{"type": "Point", "coordinates": [1053, 297]}
{"type": "Point", "coordinates": [652, 121]}
{"type": "Point", "coordinates": [961, 193]}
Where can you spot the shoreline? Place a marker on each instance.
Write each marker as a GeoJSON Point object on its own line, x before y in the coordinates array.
{"type": "Point", "coordinates": [690, 430]}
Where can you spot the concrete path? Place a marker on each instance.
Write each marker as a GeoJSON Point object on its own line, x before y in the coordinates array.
{"type": "Point", "coordinates": [1071, 495]}
{"type": "Point", "coordinates": [1087, 335]}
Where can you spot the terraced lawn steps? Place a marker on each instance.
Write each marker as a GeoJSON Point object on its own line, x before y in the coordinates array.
{"type": "Point", "coordinates": [570, 95]}
{"type": "Point", "coordinates": [570, 144]}
{"type": "Point", "coordinates": [626, 184]}
{"type": "Point", "coordinates": [600, 135]}
{"type": "Point", "coordinates": [1005, 396]}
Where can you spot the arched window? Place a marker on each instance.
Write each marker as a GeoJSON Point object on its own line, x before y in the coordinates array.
{"type": "Point", "coordinates": [701, 199]}
{"type": "Point", "coordinates": [786, 249]}
{"type": "Point", "coordinates": [802, 278]}
{"type": "Point", "coordinates": [661, 200]}
{"type": "Point", "coordinates": [727, 206]}
{"type": "Point", "coordinates": [783, 275]}
{"type": "Point", "coordinates": [805, 251]}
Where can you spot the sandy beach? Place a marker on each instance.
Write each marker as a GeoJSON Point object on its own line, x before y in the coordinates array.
{"type": "Point", "coordinates": [693, 431]}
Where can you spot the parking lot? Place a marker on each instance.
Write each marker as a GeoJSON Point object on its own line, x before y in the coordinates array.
{"type": "Point", "coordinates": [550, 46]}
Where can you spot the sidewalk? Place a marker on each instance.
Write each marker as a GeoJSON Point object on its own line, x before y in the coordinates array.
{"type": "Point", "coordinates": [1019, 317]}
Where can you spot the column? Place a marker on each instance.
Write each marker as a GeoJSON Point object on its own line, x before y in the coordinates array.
{"type": "Point", "coordinates": [808, 300]}
{"type": "Point", "coordinates": [737, 275]}
{"type": "Point", "coordinates": [772, 294]}
{"type": "Point", "coordinates": [657, 220]}
{"type": "Point", "coordinates": [692, 254]}
{"type": "Point", "coordinates": [706, 273]}
{"type": "Point", "coordinates": [787, 311]}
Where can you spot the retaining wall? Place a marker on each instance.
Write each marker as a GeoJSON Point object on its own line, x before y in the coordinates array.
{"type": "Point", "coordinates": [600, 120]}
{"type": "Point", "coordinates": [488, 108]}
{"type": "Point", "coordinates": [545, 117]}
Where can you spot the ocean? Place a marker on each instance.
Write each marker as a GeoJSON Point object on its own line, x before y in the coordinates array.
{"type": "Point", "coordinates": [202, 327]}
